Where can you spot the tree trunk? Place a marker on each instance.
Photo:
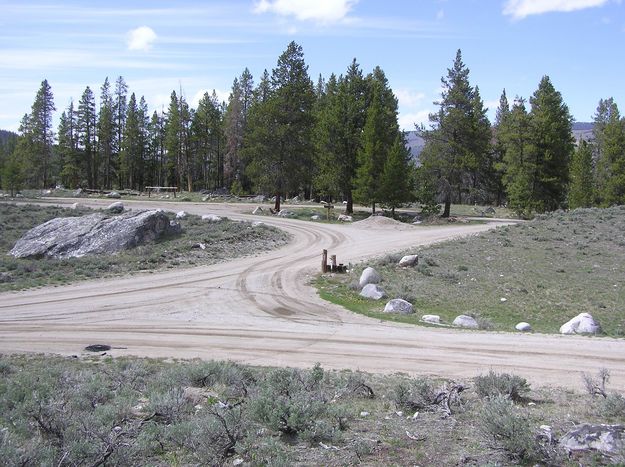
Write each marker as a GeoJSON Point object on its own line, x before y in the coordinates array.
{"type": "Point", "coordinates": [277, 205]}
{"type": "Point", "coordinates": [447, 208]}
{"type": "Point", "coordinates": [373, 208]}
{"type": "Point", "coordinates": [349, 209]}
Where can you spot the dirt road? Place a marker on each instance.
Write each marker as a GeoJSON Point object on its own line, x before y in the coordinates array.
{"type": "Point", "coordinates": [260, 310]}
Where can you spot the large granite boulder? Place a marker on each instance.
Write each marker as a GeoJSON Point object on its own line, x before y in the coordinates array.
{"type": "Point", "coordinates": [369, 276]}
{"type": "Point", "coordinates": [583, 323]}
{"type": "Point", "coordinates": [66, 237]}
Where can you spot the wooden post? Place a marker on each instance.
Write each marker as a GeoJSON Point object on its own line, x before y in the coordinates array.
{"type": "Point", "coordinates": [333, 263]}
{"type": "Point", "coordinates": [324, 261]}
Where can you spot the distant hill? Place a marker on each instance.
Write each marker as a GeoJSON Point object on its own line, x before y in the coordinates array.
{"type": "Point", "coordinates": [415, 143]}
{"type": "Point", "coordinates": [583, 130]}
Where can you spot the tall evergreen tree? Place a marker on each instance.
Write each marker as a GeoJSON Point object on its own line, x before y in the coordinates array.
{"type": "Point", "coordinates": [496, 165]}
{"type": "Point", "coordinates": [42, 134]}
{"type": "Point", "coordinates": [378, 136]}
{"type": "Point", "coordinates": [278, 144]}
{"type": "Point", "coordinates": [106, 133]}
{"type": "Point", "coordinates": [609, 135]}
{"type": "Point", "coordinates": [130, 163]}
{"type": "Point", "coordinates": [120, 109]}
{"type": "Point", "coordinates": [581, 189]}
{"type": "Point", "coordinates": [235, 126]}
{"type": "Point", "coordinates": [71, 173]}
{"type": "Point", "coordinates": [340, 123]}
{"type": "Point", "coordinates": [552, 144]}
{"type": "Point", "coordinates": [396, 181]}
{"type": "Point", "coordinates": [86, 126]}
{"type": "Point", "coordinates": [514, 134]}
{"type": "Point", "coordinates": [457, 145]}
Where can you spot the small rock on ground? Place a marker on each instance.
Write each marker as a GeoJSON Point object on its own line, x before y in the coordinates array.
{"type": "Point", "coordinates": [523, 327]}
{"type": "Point", "coordinates": [465, 321]}
{"type": "Point", "coordinates": [435, 319]}
{"type": "Point", "coordinates": [409, 260]}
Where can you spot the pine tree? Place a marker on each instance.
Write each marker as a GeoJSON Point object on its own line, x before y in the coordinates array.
{"type": "Point", "coordinates": [552, 146]}
{"type": "Point", "coordinates": [86, 125]}
{"type": "Point", "coordinates": [132, 146]}
{"type": "Point", "coordinates": [395, 182]}
{"type": "Point", "coordinates": [496, 167]}
{"type": "Point", "coordinates": [581, 189]}
{"type": "Point", "coordinates": [235, 126]}
{"type": "Point", "coordinates": [71, 174]}
{"type": "Point", "coordinates": [341, 119]}
{"type": "Point", "coordinates": [173, 141]}
{"type": "Point", "coordinates": [458, 143]}
{"type": "Point", "coordinates": [278, 144]}
{"type": "Point", "coordinates": [120, 111]}
{"type": "Point", "coordinates": [207, 141]}
{"type": "Point", "coordinates": [378, 136]}
{"type": "Point", "coordinates": [106, 133]}
{"type": "Point", "coordinates": [609, 133]}
{"type": "Point", "coordinates": [514, 134]}
{"type": "Point", "coordinates": [42, 134]}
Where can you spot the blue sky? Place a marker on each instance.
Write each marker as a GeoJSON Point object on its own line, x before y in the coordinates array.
{"type": "Point", "coordinates": [198, 46]}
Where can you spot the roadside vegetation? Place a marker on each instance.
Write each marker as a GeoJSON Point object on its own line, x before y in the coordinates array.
{"type": "Point", "coordinates": [543, 272]}
{"type": "Point", "coordinates": [221, 241]}
{"type": "Point", "coordinates": [98, 410]}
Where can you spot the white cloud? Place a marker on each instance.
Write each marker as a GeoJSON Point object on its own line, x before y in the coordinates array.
{"type": "Point", "coordinates": [321, 11]}
{"type": "Point", "coordinates": [407, 121]}
{"type": "Point", "coordinates": [520, 9]}
{"type": "Point", "coordinates": [141, 38]}
{"type": "Point", "coordinates": [409, 98]}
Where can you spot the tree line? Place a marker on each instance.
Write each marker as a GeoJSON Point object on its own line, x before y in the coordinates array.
{"type": "Point", "coordinates": [338, 138]}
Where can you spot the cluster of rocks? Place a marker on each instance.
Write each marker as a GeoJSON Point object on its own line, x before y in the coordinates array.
{"type": "Point", "coordinates": [370, 279]}
{"type": "Point", "coordinates": [66, 237]}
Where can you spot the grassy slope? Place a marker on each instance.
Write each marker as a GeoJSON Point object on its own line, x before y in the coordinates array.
{"type": "Point", "coordinates": [548, 270]}
{"type": "Point", "coordinates": [223, 240]}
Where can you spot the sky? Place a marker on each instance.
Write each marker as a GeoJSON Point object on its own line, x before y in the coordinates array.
{"type": "Point", "coordinates": [201, 46]}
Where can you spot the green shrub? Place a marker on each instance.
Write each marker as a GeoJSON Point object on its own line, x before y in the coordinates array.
{"type": "Point", "coordinates": [612, 406]}
{"type": "Point", "coordinates": [494, 385]}
{"type": "Point", "coordinates": [415, 394]}
{"type": "Point", "coordinates": [295, 402]}
{"type": "Point", "coordinates": [502, 424]}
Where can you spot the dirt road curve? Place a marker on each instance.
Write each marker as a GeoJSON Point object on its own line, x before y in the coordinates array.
{"type": "Point", "coordinates": [260, 310]}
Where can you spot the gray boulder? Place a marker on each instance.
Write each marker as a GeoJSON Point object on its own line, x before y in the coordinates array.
{"type": "Point", "coordinates": [369, 276]}
{"type": "Point", "coordinates": [285, 213]}
{"type": "Point", "coordinates": [464, 321]}
{"type": "Point", "coordinates": [113, 195]}
{"type": "Point", "coordinates": [409, 260]}
{"type": "Point", "coordinates": [583, 323]}
{"type": "Point", "coordinates": [181, 215]}
{"type": "Point", "coordinates": [315, 217]}
{"type": "Point", "coordinates": [66, 237]}
{"type": "Point", "coordinates": [398, 305]}
{"type": "Point", "coordinates": [345, 218]}
{"type": "Point", "coordinates": [116, 207]}
{"type": "Point", "coordinates": [523, 327]}
{"type": "Point", "coordinates": [373, 291]}
{"type": "Point", "coordinates": [607, 439]}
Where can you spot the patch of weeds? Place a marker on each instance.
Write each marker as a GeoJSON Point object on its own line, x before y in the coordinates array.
{"type": "Point", "coordinates": [492, 385]}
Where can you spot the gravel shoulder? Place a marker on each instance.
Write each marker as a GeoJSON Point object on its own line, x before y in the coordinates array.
{"type": "Point", "coordinates": [260, 310]}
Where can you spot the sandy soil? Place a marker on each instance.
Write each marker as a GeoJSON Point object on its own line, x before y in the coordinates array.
{"type": "Point", "coordinates": [260, 310]}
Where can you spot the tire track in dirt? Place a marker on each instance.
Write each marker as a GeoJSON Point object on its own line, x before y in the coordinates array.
{"type": "Point", "coordinates": [260, 310]}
